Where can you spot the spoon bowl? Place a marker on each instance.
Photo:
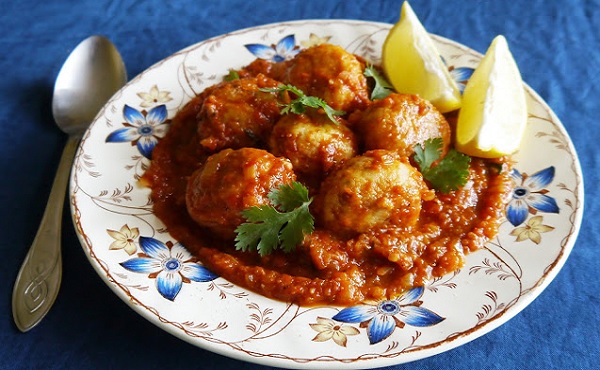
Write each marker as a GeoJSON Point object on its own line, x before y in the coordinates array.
{"type": "Point", "coordinates": [92, 73]}
{"type": "Point", "coordinates": [90, 76]}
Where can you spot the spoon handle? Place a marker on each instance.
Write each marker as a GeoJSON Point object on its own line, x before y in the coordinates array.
{"type": "Point", "coordinates": [39, 279]}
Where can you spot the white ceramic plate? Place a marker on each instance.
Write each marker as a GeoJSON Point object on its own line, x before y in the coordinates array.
{"type": "Point", "coordinates": [117, 228]}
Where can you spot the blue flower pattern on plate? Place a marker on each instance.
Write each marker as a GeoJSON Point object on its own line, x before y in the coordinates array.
{"type": "Point", "coordinates": [529, 195]}
{"type": "Point", "coordinates": [158, 263]}
{"type": "Point", "coordinates": [461, 76]}
{"type": "Point", "coordinates": [382, 318]}
{"type": "Point", "coordinates": [171, 265]}
{"type": "Point", "coordinates": [142, 129]}
{"type": "Point", "coordinates": [284, 49]}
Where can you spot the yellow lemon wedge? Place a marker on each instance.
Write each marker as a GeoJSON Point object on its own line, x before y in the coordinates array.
{"type": "Point", "coordinates": [493, 117]}
{"type": "Point", "coordinates": [413, 64]}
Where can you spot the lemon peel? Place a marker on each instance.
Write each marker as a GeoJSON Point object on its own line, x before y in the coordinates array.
{"type": "Point", "coordinates": [413, 65]}
{"type": "Point", "coordinates": [493, 116]}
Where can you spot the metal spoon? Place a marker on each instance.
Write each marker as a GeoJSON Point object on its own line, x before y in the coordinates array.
{"type": "Point", "coordinates": [92, 73]}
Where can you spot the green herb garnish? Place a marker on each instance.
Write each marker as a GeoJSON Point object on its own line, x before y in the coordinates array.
{"type": "Point", "coordinates": [382, 87]}
{"type": "Point", "coordinates": [298, 105]}
{"type": "Point", "coordinates": [233, 75]}
{"type": "Point", "coordinates": [450, 173]}
{"type": "Point", "coordinates": [282, 224]}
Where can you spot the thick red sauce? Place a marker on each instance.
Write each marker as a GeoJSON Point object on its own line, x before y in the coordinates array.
{"type": "Point", "coordinates": [332, 267]}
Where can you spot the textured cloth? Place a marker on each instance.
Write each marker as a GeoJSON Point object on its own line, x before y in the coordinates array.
{"type": "Point", "coordinates": [556, 44]}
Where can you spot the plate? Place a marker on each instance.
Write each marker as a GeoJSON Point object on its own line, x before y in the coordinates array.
{"type": "Point", "coordinates": [135, 255]}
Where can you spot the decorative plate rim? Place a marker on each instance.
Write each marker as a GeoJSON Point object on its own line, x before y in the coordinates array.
{"type": "Point", "coordinates": [162, 316]}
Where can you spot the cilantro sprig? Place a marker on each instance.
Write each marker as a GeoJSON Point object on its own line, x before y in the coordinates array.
{"type": "Point", "coordinates": [302, 101]}
{"type": "Point", "coordinates": [382, 87]}
{"type": "Point", "coordinates": [450, 173]}
{"type": "Point", "coordinates": [282, 224]}
{"type": "Point", "coordinates": [232, 75]}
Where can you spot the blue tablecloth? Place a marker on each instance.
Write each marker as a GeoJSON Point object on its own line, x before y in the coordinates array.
{"type": "Point", "coordinates": [556, 44]}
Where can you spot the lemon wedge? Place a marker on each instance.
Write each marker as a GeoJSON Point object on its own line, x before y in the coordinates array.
{"type": "Point", "coordinates": [413, 65]}
{"type": "Point", "coordinates": [493, 117]}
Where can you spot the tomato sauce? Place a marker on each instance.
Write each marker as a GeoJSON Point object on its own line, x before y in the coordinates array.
{"type": "Point", "coordinates": [331, 267]}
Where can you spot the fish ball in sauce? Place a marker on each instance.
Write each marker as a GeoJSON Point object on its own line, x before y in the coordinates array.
{"type": "Point", "coordinates": [375, 190]}
{"type": "Point", "coordinates": [399, 122]}
{"type": "Point", "coordinates": [330, 73]}
{"type": "Point", "coordinates": [313, 143]}
{"type": "Point", "coordinates": [237, 114]}
{"type": "Point", "coordinates": [231, 181]}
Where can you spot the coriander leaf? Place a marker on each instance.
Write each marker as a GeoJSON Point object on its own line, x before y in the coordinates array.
{"type": "Point", "coordinates": [300, 223]}
{"type": "Point", "coordinates": [451, 173]}
{"type": "Point", "coordinates": [259, 232]}
{"type": "Point", "coordinates": [430, 152]}
{"type": "Point", "coordinates": [258, 213]}
{"type": "Point", "coordinates": [233, 75]}
{"type": "Point", "coordinates": [448, 174]}
{"type": "Point", "coordinates": [298, 105]}
{"type": "Point", "coordinates": [288, 197]}
{"type": "Point", "coordinates": [382, 87]}
{"type": "Point", "coordinates": [280, 225]}
{"type": "Point", "coordinates": [330, 112]}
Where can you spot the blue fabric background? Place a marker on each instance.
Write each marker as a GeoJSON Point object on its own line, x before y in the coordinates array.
{"type": "Point", "coordinates": [556, 44]}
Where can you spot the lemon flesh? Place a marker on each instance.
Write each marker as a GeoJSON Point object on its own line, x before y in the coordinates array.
{"type": "Point", "coordinates": [413, 65]}
{"type": "Point", "coordinates": [493, 117]}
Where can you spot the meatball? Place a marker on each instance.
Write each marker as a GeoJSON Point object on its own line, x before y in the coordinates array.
{"type": "Point", "coordinates": [399, 122]}
{"type": "Point", "coordinates": [274, 70]}
{"type": "Point", "coordinates": [332, 74]}
{"type": "Point", "coordinates": [313, 143]}
{"type": "Point", "coordinates": [237, 114]}
{"type": "Point", "coordinates": [231, 181]}
{"type": "Point", "coordinates": [376, 190]}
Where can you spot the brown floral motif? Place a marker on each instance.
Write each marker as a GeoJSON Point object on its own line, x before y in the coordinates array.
{"type": "Point", "coordinates": [315, 40]}
{"type": "Point", "coordinates": [153, 97]}
{"type": "Point", "coordinates": [330, 330]}
{"type": "Point", "coordinates": [125, 239]}
{"type": "Point", "coordinates": [273, 323]}
{"type": "Point", "coordinates": [532, 230]}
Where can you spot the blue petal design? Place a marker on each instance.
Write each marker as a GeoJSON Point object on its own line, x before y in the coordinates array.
{"type": "Point", "coordinates": [198, 273]}
{"type": "Point", "coordinates": [540, 179]}
{"type": "Point", "coordinates": [169, 284]}
{"type": "Point", "coordinates": [277, 58]}
{"type": "Point", "coordinates": [356, 314]}
{"type": "Point", "coordinates": [285, 48]}
{"type": "Point", "coordinates": [157, 115]}
{"type": "Point", "coordinates": [143, 265]}
{"type": "Point", "coordinates": [517, 212]}
{"type": "Point", "coordinates": [146, 145]}
{"type": "Point", "coordinates": [286, 44]}
{"type": "Point", "coordinates": [122, 135]}
{"type": "Point", "coordinates": [381, 327]}
{"type": "Point", "coordinates": [180, 252]}
{"type": "Point", "coordinates": [461, 75]}
{"type": "Point", "coordinates": [411, 296]}
{"type": "Point", "coordinates": [516, 175]}
{"type": "Point", "coordinates": [154, 248]}
{"type": "Point", "coordinates": [419, 316]}
{"type": "Point", "coordinates": [543, 203]}
{"type": "Point", "coordinates": [261, 51]}
{"type": "Point", "coordinates": [133, 116]}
